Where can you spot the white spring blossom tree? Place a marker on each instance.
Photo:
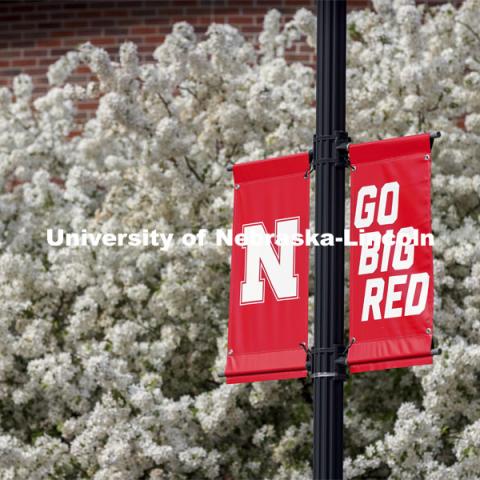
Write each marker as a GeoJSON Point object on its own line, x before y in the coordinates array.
{"type": "Point", "coordinates": [109, 356]}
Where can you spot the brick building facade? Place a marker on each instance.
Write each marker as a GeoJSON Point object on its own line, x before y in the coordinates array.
{"type": "Point", "coordinates": [33, 34]}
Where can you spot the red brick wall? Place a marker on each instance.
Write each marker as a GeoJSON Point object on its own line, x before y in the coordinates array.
{"type": "Point", "coordinates": [33, 34]}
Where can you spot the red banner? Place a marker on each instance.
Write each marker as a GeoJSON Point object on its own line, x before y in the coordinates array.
{"type": "Point", "coordinates": [391, 270]}
{"type": "Point", "coordinates": [269, 279]}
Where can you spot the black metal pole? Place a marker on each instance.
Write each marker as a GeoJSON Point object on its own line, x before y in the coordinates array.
{"type": "Point", "coordinates": [328, 371]}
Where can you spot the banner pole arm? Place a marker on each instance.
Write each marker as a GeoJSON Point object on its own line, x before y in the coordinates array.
{"type": "Point", "coordinates": [330, 158]}
{"type": "Point", "coordinates": [433, 136]}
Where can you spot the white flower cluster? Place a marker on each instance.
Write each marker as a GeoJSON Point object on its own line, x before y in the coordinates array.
{"type": "Point", "coordinates": [109, 356]}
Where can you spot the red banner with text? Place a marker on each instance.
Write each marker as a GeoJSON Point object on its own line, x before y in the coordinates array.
{"type": "Point", "coordinates": [391, 268]}
{"type": "Point", "coordinates": [268, 319]}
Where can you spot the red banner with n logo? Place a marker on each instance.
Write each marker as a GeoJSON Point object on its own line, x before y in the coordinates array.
{"type": "Point", "coordinates": [268, 320]}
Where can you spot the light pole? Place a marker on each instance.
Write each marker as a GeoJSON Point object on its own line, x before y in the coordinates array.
{"type": "Point", "coordinates": [330, 140]}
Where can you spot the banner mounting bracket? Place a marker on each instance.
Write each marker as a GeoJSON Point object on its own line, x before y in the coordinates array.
{"type": "Point", "coordinates": [331, 149]}
{"type": "Point", "coordinates": [433, 136]}
{"type": "Point", "coordinates": [324, 362]}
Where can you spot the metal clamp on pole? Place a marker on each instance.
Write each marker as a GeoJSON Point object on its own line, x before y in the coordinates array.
{"type": "Point", "coordinates": [323, 151]}
{"type": "Point", "coordinates": [331, 149]}
{"type": "Point", "coordinates": [324, 362]}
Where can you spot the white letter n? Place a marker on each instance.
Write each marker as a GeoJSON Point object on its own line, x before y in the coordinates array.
{"type": "Point", "coordinates": [262, 261]}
